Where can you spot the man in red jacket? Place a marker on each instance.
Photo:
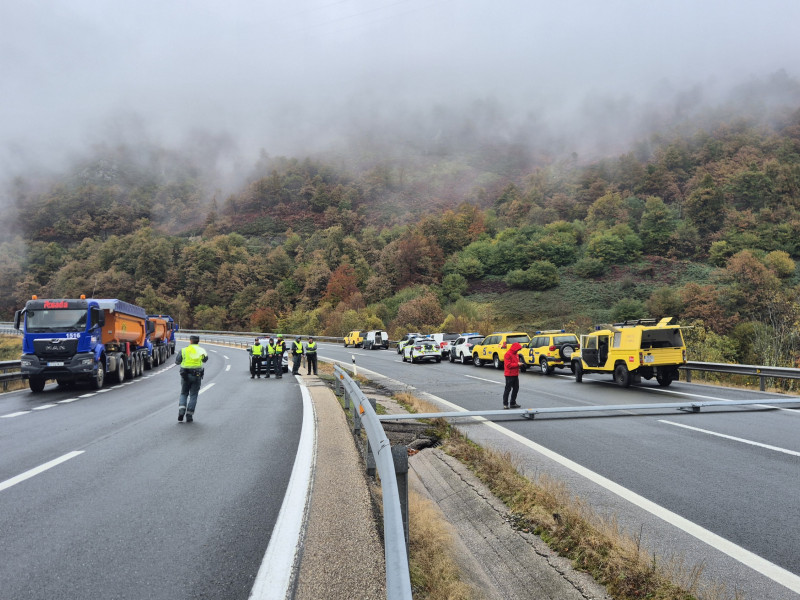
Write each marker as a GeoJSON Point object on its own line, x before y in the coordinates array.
{"type": "Point", "coordinates": [511, 370]}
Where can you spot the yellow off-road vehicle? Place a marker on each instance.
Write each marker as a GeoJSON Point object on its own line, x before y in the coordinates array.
{"type": "Point", "coordinates": [630, 351]}
{"type": "Point", "coordinates": [493, 348]}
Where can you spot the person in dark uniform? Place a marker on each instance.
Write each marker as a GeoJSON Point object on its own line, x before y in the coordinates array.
{"type": "Point", "coordinates": [257, 350]}
{"type": "Point", "coordinates": [280, 350]}
{"type": "Point", "coordinates": [297, 353]}
{"type": "Point", "coordinates": [270, 350]}
{"type": "Point", "coordinates": [191, 360]}
{"type": "Point", "coordinates": [311, 355]}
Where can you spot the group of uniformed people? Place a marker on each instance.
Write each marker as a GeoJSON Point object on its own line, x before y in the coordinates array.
{"type": "Point", "coordinates": [273, 354]}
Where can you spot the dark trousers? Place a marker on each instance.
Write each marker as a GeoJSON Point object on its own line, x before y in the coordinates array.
{"type": "Point", "coordinates": [270, 360]}
{"type": "Point", "coordinates": [255, 366]}
{"type": "Point", "coordinates": [296, 363]}
{"type": "Point", "coordinates": [512, 385]}
{"type": "Point", "coordinates": [311, 357]}
{"type": "Point", "coordinates": [190, 387]}
{"type": "Point", "coordinates": [277, 361]}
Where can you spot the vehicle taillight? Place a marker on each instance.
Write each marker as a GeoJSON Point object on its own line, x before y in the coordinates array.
{"type": "Point", "coordinates": [552, 348]}
{"type": "Point", "coordinates": [577, 346]}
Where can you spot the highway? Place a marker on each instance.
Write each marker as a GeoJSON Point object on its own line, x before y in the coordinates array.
{"type": "Point", "coordinates": [719, 488]}
{"type": "Point", "coordinates": [105, 495]}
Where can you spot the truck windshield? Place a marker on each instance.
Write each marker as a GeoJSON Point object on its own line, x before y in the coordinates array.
{"type": "Point", "coordinates": [49, 321]}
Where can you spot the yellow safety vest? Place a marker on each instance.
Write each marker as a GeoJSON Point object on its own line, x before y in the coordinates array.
{"type": "Point", "coordinates": [270, 349]}
{"type": "Point", "coordinates": [312, 348]}
{"type": "Point", "coordinates": [298, 347]}
{"type": "Point", "coordinates": [280, 347]}
{"type": "Point", "coordinates": [192, 357]}
{"type": "Point", "coordinates": [257, 349]}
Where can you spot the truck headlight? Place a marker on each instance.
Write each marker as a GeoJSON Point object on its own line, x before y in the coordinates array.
{"type": "Point", "coordinates": [25, 363]}
{"type": "Point", "coordinates": [87, 361]}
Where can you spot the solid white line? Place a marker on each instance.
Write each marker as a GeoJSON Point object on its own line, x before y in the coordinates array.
{"type": "Point", "coordinates": [482, 379]}
{"type": "Point", "coordinates": [735, 439]}
{"type": "Point", "coordinates": [208, 387]}
{"type": "Point", "coordinates": [16, 414]}
{"type": "Point", "coordinates": [36, 470]}
{"type": "Point", "coordinates": [275, 575]}
{"type": "Point", "coordinates": [747, 558]}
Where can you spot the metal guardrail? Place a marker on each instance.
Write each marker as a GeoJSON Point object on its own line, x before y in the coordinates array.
{"type": "Point", "coordinates": [398, 579]}
{"type": "Point", "coordinates": [763, 373]}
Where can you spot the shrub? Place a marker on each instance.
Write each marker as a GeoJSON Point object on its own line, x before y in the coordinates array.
{"type": "Point", "coordinates": [541, 275]}
{"type": "Point", "coordinates": [589, 267]}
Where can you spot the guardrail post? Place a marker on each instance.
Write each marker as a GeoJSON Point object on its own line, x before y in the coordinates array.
{"type": "Point", "coordinates": [400, 458]}
{"type": "Point", "coordinates": [762, 383]}
{"type": "Point", "coordinates": [369, 457]}
{"type": "Point", "coordinates": [688, 375]}
{"type": "Point", "coordinates": [356, 418]}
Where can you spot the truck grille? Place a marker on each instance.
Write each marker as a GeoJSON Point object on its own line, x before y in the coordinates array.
{"type": "Point", "coordinates": [55, 348]}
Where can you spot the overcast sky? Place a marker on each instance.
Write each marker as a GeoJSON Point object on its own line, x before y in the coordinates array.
{"type": "Point", "coordinates": [283, 75]}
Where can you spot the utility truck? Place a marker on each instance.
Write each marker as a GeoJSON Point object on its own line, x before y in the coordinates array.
{"type": "Point", "coordinates": [74, 340]}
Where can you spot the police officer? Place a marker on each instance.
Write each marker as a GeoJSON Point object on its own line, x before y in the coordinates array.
{"type": "Point", "coordinates": [257, 350]}
{"type": "Point", "coordinates": [311, 355]}
{"type": "Point", "coordinates": [191, 360]}
{"type": "Point", "coordinates": [297, 352]}
{"type": "Point", "coordinates": [270, 355]}
{"type": "Point", "coordinates": [280, 350]}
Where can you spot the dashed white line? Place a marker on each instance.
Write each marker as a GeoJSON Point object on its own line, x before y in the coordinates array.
{"type": "Point", "coordinates": [730, 437]}
{"type": "Point", "coordinates": [227, 367]}
{"type": "Point", "coordinates": [43, 407]}
{"type": "Point", "coordinates": [16, 414]}
{"type": "Point", "coordinates": [40, 469]}
{"type": "Point", "coordinates": [208, 387]}
{"type": "Point", "coordinates": [482, 379]}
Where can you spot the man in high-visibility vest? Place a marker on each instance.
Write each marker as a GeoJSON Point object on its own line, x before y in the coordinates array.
{"type": "Point", "coordinates": [191, 360]}
{"type": "Point", "coordinates": [311, 355]}
{"type": "Point", "coordinates": [297, 353]}
{"type": "Point", "coordinates": [280, 350]}
{"type": "Point", "coordinates": [270, 349]}
{"type": "Point", "coordinates": [257, 351]}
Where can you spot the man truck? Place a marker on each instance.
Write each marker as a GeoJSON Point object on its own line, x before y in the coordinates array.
{"type": "Point", "coordinates": [161, 339]}
{"type": "Point", "coordinates": [74, 340]}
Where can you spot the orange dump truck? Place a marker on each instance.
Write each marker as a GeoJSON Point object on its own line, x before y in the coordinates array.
{"type": "Point", "coordinates": [159, 329]}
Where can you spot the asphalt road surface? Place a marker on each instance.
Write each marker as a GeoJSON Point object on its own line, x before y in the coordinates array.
{"type": "Point", "coordinates": [105, 495]}
{"type": "Point", "coordinates": [719, 488]}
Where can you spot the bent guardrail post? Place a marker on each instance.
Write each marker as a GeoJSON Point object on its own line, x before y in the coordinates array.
{"type": "Point", "coordinates": [398, 579]}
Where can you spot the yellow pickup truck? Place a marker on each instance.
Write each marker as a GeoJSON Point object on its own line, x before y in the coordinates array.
{"type": "Point", "coordinates": [354, 338]}
{"type": "Point", "coordinates": [632, 350]}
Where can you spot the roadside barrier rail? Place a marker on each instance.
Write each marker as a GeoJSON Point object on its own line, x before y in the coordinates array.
{"type": "Point", "coordinates": [398, 579]}
{"type": "Point", "coordinates": [763, 373]}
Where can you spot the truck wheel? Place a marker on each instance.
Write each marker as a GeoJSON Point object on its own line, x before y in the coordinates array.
{"type": "Point", "coordinates": [577, 368]}
{"type": "Point", "coordinates": [622, 376]}
{"type": "Point", "coordinates": [36, 383]}
{"type": "Point", "coordinates": [496, 361]}
{"type": "Point", "coordinates": [99, 378]}
{"type": "Point", "coordinates": [120, 372]}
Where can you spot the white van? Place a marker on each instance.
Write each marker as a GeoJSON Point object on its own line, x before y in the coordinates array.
{"type": "Point", "coordinates": [375, 340]}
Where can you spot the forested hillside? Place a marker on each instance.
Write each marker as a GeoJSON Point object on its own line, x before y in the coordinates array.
{"type": "Point", "coordinates": [701, 222]}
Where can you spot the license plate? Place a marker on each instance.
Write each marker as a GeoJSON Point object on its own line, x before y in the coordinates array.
{"type": "Point", "coordinates": [55, 364]}
{"type": "Point", "coordinates": [649, 358]}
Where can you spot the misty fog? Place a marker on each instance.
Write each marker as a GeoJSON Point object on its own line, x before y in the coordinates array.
{"type": "Point", "coordinates": [237, 78]}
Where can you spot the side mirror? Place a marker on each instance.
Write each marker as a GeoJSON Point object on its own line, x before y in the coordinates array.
{"type": "Point", "coordinates": [17, 319]}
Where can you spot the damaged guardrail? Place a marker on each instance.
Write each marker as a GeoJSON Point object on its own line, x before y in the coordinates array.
{"type": "Point", "coordinates": [387, 459]}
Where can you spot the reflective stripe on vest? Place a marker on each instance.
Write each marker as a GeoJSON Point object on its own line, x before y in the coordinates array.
{"type": "Point", "coordinates": [192, 357]}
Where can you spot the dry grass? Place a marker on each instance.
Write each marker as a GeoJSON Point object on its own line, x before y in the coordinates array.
{"type": "Point", "coordinates": [10, 347]}
{"type": "Point", "coordinates": [434, 572]}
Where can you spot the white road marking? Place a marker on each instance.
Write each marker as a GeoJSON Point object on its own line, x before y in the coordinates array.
{"type": "Point", "coordinates": [87, 395]}
{"type": "Point", "coordinates": [208, 387]}
{"type": "Point", "coordinates": [482, 379]}
{"type": "Point", "coordinates": [226, 358]}
{"type": "Point", "coordinates": [16, 414]}
{"type": "Point", "coordinates": [43, 407]}
{"type": "Point", "coordinates": [275, 574]}
{"type": "Point", "coordinates": [36, 470]}
{"type": "Point", "coordinates": [730, 437]}
{"type": "Point", "coordinates": [227, 367]}
{"type": "Point", "coordinates": [68, 400]}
